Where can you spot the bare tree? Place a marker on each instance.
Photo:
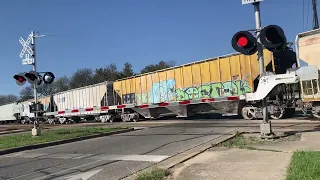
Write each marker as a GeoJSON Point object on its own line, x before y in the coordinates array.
{"type": "Point", "coordinates": [26, 93]}
{"type": "Point", "coordinates": [45, 89]}
{"type": "Point", "coordinates": [61, 84]}
{"type": "Point", "coordinates": [7, 99]}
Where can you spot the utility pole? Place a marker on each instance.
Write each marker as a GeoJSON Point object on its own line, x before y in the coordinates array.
{"type": "Point", "coordinates": [315, 15]}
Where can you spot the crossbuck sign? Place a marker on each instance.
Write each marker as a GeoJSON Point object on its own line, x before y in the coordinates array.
{"type": "Point", "coordinates": [25, 48]}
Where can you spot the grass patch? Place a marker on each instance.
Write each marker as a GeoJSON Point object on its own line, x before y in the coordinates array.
{"type": "Point", "coordinates": [241, 141]}
{"type": "Point", "coordinates": [304, 165]}
{"type": "Point", "coordinates": [244, 142]}
{"type": "Point", "coordinates": [23, 139]}
{"type": "Point", "coordinates": [155, 174]}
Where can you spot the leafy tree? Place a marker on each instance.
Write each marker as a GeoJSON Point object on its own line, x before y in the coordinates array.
{"type": "Point", "coordinates": [82, 77]}
{"type": "Point", "coordinates": [127, 71]}
{"type": "Point", "coordinates": [109, 73]}
{"type": "Point", "coordinates": [159, 66]}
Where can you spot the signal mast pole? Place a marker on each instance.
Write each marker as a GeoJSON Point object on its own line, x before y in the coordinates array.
{"type": "Point", "coordinates": [34, 68]}
{"type": "Point", "coordinates": [265, 126]}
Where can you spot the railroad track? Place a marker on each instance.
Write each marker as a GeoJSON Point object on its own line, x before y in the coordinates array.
{"type": "Point", "coordinates": [301, 122]}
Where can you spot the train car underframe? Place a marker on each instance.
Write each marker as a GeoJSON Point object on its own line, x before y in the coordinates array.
{"type": "Point", "coordinates": [281, 104]}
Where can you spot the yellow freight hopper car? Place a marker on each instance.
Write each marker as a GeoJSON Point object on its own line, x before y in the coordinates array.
{"type": "Point", "coordinates": [215, 84]}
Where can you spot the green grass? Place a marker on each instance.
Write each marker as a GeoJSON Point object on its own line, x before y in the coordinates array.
{"type": "Point", "coordinates": [304, 165]}
{"type": "Point", "coordinates": [240, 141]}
{"type": "Point", "coordinates": [155, 174]}
{"type": "Point", "coordinates": [23, 139]}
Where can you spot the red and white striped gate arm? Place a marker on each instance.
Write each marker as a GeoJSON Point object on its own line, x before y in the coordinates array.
{"type": "Point", "coordinates": [97, 110]}
{"type": "Point", "coordinates": [198, 101]}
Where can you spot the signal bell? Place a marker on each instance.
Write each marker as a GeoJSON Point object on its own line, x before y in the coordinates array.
{"type": "Point", "coordinates": [273, 38]}
{"type": "Point", "coordinates": [244, 42]}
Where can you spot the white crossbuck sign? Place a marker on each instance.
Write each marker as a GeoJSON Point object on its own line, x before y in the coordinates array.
{"type": "Point", "coordinates": [25, 45]}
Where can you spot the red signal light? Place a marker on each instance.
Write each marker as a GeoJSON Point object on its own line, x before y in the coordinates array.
{"type": "Point", "coordinates": [20, 79]}
{"type": "Point", "coordinates": [242, 41]}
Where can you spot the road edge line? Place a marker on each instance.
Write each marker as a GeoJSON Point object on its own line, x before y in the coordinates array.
{"type": "Point", "coordinates": [54, 143]}
{"type": "Point", "coordinates": [172, 161]}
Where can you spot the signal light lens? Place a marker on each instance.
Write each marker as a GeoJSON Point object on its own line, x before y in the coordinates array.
{"type": "Point", "coordinates": [242, 41]}
{"type": "Point", "coordinates": [20, 79]}
{"type": "Point", "coordinates": [31, 76]}
{"type": "Point", "coordinates": [48, 77]}
{"type": "Point", "coordinates": [272, 38]}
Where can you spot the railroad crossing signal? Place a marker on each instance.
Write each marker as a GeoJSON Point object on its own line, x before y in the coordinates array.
{"type": "Point", "coordinates": [272, 38]}
{"type": "Point", "coordinates": [33, 77]}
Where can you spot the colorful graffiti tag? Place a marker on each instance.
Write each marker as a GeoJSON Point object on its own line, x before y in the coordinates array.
{"type": "Point", "coordinates": [165, 91]}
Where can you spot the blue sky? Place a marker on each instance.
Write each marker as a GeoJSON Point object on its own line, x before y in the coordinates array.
{"type": "Point", "coordinates": [99, 32]}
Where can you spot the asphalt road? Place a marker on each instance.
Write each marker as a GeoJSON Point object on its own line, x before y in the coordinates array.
{"type": "Point", "coordinates": [111, 157]}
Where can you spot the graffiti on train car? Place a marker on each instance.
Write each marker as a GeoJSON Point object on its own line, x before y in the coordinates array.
{"type": "Point", "coordinates": [165, 91]}
{"type": "Point", "coordinates": [213, 90]}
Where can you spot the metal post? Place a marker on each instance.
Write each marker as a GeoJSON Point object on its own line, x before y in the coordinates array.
{"type": "Point", "coordinates": [265, 127]}
{"type": "Point", "coordinates": [36, 128]}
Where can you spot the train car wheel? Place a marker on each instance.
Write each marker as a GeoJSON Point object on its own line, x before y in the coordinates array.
{"type": "Point", "coordinates": [278, 113]}
{"type": "Point", "coordinates": [112, 118]}
{"type": "Point", "coordinates": [136, 118]}
{"type": "Point", "coordinates": [316, 115]}
{"type": "Point", "coordinates": [247, 112]}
